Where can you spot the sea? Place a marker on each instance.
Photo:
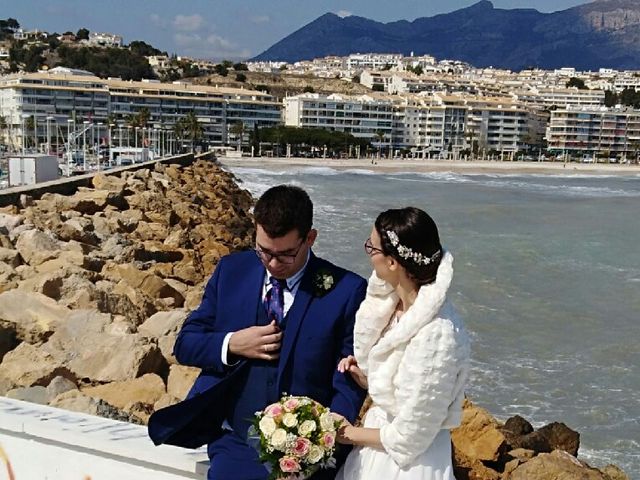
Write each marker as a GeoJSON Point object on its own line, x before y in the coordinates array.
{"type": "Point", "coordinates": [547, 280]}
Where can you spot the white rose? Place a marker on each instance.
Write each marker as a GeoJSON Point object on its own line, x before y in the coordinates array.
{"type": "Point", "coordinates": [327, 422]}
{"type": "Point", "coordinates": [290, 420]}
{"type": "Point", "coordinates": [279, 438]}
{"type": "Point", "coordinates": [315, 454]}
{"type": "Point", "coordinates": [267, 426]}
{"type": "Point", "coordinates": [306, 427]}
{"type": "Point", "coordinates": [328, 282]}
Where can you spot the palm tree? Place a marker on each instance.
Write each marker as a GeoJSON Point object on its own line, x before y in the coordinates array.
{"type": "Point", "coordinates": [380, 134]}
{"type": "Point", "coordinates": [238, 130]}
{"type": "Point", "coordinates": [192, 128]}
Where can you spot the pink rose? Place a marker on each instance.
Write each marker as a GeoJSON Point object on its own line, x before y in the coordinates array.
{"type": "Point", "coordinates": [328, 440]}
{"type": "Point", "coordinates": [274, 410]}
{"type": "Point", "coordinates": [289, 465]}
{"type": "Point", "coordinates": [291, 404]}
{"type": "Point", "coordinates": [301, 447]}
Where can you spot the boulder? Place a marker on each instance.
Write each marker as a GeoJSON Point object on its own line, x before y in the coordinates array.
{"type": "Point", "coordinates": [8, 223]}
{"type": "Point", "coordinates": [8, 338]}
{"type": "Point", "coordinates": [181, 379]}
{"type": "Point", "coordinates": [36, 247]}
{"type": "Point", "coordinates": [110, 183]}
{"type": "Point", "coordinates": [89, 201]}
{"type": "Point", "coordinates": [518, 425]}
{"type": "Point", "coordinates": [29, 394]}
{"type": "Point", "coordinates": [479, 436]}
{"type": "Point", "coordinates": [8, 277]}
{"type": "Point", "coordinates": [165, 401]}
{"type": "Point", "coordinates": [28, 365]}
{"type": "Point", "coordinates": [48, 284]}
{"type": "Point", "coordinates": [58, 386]}
{"type": "Point", "coordinates": [151, 285]}
{"type": "Point", "coordinates": [163, 323]}
{"type": "Point", "coordinates": [76, 401]}
{"type": "Point", "coordinates": [555, 436]}
{"type": "Point", "coordinates": [555, 465]}
{"type": "Point", "coordinates": [147, 389]}
{"type": "Point", "coordinates": [10, 257]}
{"type": "Point", "coordinates": [34, 315]}
{"type": "Point", "coordinates": [614, 473]}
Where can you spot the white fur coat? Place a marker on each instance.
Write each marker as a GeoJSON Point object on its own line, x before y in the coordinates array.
{"type": "Point", "coordinates": [416, 370]}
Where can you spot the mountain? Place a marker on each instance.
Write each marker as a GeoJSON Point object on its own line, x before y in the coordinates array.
{"type": "Point", "coordinates": [603, 33]}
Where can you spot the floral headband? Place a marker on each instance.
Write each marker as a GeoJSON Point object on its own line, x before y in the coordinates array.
{"type": "Point", "coordinates": [407, 253]}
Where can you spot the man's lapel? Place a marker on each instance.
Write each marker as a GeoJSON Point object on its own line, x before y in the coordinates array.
{"type": "Point", "coordinates": [248, 306]}
{"type": "Point", "coordinates": [297, 312]}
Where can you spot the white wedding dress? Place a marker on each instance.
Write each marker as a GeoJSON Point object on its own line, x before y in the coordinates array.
{"type": "Point", "coordinates": [365, 463]}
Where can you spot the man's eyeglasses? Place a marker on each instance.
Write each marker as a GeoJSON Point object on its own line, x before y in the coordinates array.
{"type": "Point", "coordinates": [284, 258]}
{"type": "Point", "coordinates": [370, 249]}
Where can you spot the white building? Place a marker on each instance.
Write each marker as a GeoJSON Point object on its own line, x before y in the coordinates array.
{"type": "Point", "coordinates": [591, 132]}
{"type": "Point", "coordinates": [372, 61]}
{"type": "Point", "coordinates": [378, 81]}
{"type": "Point", "coordinates": [39, 105]}
{"type": "Point", "coordinates": [362, 116]}
{"type": "Point", "coordinates": [105, 39]}
{"type": "Point", "coordinates": [561, 97]}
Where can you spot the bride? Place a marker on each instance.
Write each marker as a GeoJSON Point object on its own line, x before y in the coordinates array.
{"type": "Point", "coordinates": [411, 352]}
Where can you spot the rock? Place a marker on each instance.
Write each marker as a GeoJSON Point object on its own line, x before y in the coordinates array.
{"type": "Point", "coordinates": [29, 394]}
{"type": "Point", "coordinates": [167, 400]}
{"type": "Point", "coordinates": [166, 345]}
{"type": "Point", "coordinates": [194, 297]}
{"type": "Point", "coordinates": [8, 277]}
{"type": "Point", "coordinates": [8, 223]}
{"type": "Point", "coordinates": [10, 257]}
{"type": "Point", "coordinates": [181, 379]}
{"type": "Point", "coordinates": [34, 315]}
{"type": "Point", "coordinates": [8, 338]}
{"type": "Point", "coordinates": [518, 425]}
{"type": "Point", "coordinates": [5, 241]}
{"type": "Point", "coordinates": [28, 365]}
{"type": "Point", "coordinates": [77, 402]}
{"type": "Point", "coordinates": [479, 436]}
{"type": "Point", "coordinates": [58, 386]}
{"type": "Point", "coordinates": [555, 436]}
{"type": "Point", "coordinates": [613, 472]}
{"type": "Point", "coordinates": [109, 183]}
{"type": "Point", "coordinates": [522, 454]}
{"type": "Point", "coordinates": [104, 357]}
{"type": "Point", "coordinates": [556, 465]}
{"type": "Point", "coordinates": [48, 284]}
{"type": "Point", "coordinates": [151, 285]}
{"type": "Point", "coordinates": [163, 323]}
{"type": "Point", "coordinates": [147, 389]}
{"type": "Point", "coordinates": [465, 468]}
{"type": "Point", "coordinates": [36, 247]}
{"type": "Point", "coordinates": [91, 201]}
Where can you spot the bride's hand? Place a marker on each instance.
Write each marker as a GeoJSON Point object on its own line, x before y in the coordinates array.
{"type": "Point", "coordinates": [349, 364]}
{"type": "Point", "coordinates": [343, 436]}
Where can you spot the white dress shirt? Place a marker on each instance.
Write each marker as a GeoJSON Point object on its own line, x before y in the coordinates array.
{"type": "Point", "coordinates": [293, 283]}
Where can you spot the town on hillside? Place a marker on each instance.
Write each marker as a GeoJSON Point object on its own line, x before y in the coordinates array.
{"type": "Point", "coordinates": [73, 97]}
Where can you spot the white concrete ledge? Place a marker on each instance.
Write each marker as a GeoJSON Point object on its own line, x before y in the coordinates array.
{"type": "Point", "coordinates": [49, 443]}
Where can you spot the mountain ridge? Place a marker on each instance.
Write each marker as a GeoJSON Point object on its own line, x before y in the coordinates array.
{"type": "Point", "coordinates": [603, 33]}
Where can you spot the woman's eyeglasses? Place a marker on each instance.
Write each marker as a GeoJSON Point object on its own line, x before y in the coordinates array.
{"type": "Point", "coordinates": [370, 249]}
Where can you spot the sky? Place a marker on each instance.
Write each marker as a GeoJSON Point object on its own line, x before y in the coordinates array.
{"type": "Point", "coordinates": [219, 29]}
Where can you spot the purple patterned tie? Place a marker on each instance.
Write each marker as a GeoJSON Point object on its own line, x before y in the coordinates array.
{"type": "Point", "coordinates": [274, 300]}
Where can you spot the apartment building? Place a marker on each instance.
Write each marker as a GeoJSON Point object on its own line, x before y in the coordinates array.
{"type": "Point", "coordinates": [54, 99]}
{"type": "Point", "coordinates": [372, 61]}
{"type": "Point", "coordinates": [105, 40]}
{"type": "Point", "coordinates": [561, 97]}
{"type": "Point", "coordinates": [362, 116]}
{"type": "Point", "coordinates": [589, 132]}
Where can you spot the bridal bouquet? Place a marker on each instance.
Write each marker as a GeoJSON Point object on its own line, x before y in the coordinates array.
{"type": "Point", "coordinates": [297, 436]}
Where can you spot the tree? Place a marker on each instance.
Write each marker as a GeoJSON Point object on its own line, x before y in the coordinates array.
{"type": "Point", "coordinates": [189, 128]}
{"type": "Point", "coordinates": [356, 79]}
{"type": "Point", "coordinates": [238, 130]}
{"type": "Point", "coordinates": [3, 126]}
{"type": "Point", "coordinates": [144, 49]}
{"type": "Point", "coordinates": [308, 89]}
{"type": "Point", "coordinates": [418, 70]}
{"type": "Point", "coordinates": [82, 34]}
{"type": "Point", "coordinates": [610, 98]}
{"type": "Point", "coordinates": [220, 69]}
{"type": "Point", "coordinates": [380, 134]}
{"type": "Point", "coordinates": [240, 67]}
{"type": "Point", "coordinates": [241, 77]}
{"type": "Point", "coordinates": [576, 82]}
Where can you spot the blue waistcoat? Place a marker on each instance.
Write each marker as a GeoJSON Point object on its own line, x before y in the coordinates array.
{"type": "Point", "coordinates": [257, 388]}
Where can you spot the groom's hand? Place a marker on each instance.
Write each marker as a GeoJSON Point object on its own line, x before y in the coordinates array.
{"type": "Point", "coordinates": [261, 343]}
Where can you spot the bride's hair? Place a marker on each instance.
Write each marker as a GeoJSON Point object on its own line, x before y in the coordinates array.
{"type": "Point", "coordinates": [410, 236]}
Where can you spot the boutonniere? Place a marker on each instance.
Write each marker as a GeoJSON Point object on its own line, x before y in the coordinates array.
{"type": "Point", "coordinates": [323, 282]}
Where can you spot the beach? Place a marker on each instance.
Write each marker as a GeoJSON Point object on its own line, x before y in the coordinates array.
{"type": "Point", "coordinates": [426, 166]}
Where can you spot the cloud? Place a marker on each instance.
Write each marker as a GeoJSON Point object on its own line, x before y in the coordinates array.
{"type": "Point", "coordinates": [188, 23]}
{"type": "Point", "coordinates": [260, 19]}
{"type": "Point", "coordinates": [158, 20]}
{"type": "Point", "coordinates": [344, 13]}
{"type": "Point", "coordinates": [208, 46]}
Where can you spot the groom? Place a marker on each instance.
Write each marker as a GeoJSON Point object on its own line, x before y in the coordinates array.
{"type": "Point", "coordinates": [272, 320]}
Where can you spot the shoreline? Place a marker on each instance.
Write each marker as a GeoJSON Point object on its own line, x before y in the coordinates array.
{"type": "Point", "coordinates": [426, 166]}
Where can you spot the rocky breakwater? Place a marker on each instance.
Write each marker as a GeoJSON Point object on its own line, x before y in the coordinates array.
{"type": "Point", "coordinates": [95, 285]}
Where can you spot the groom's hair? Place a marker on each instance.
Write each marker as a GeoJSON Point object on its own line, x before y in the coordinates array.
{"type": "Point", "coordinates": [282, 209]}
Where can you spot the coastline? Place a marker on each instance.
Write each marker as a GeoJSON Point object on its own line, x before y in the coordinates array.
{"type": "Point", "coordinates": [426, 166]}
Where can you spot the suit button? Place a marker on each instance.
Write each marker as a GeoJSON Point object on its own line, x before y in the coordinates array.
{"type": "Point", "coordinates": [270, 383]}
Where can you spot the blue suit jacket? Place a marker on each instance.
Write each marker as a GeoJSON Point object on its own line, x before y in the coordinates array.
{"type": "Point", "coordinates": [318, 333]}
